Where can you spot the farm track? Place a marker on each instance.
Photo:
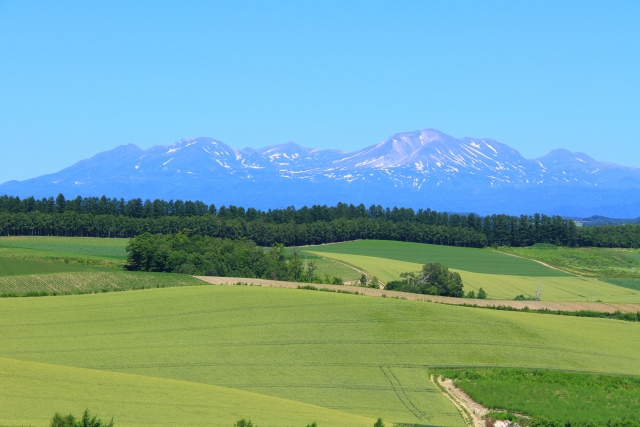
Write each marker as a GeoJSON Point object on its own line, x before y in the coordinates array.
{"type": "Point", "coordinates": [533, 305]}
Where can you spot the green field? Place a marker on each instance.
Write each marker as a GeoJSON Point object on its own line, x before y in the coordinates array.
{"type": "Point", "coordinates": [328, 267]}
{"type": "Point", "coordinates": [89, 282]}
{"type": "Point", "coordinates": [625, 283]}
{"type": "Point", "coordinates": [500, 286]}
{"type": "Point", "coordinates": [159, 356]}
{"type": "Point", "coordinates": [44, 255]}
{"type": "Point", "coordinates": [589, 262]}
{"type": "Point", "coordinates": [468, 259]}
{"type": "Point", "coordinates": [68, 246]}
{"type": "Point", "coordinates": [12, 266]}
{"type": "Point", "coordinates": [35, 390]}
{"type": "Point", "coordinates": [559, 395]}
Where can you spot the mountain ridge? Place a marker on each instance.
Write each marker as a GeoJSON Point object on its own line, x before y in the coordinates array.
{"type": "Point", "coordinates": [423, 168]}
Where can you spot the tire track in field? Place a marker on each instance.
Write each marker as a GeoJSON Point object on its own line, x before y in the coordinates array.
{"type": "Point", "coordinates": [396, 385]}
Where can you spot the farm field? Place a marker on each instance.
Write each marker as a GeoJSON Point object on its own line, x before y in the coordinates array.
{"type": "Point", "coordinates": [625, 283]}
{"type": "Point", "coordinates": [13, 266]}
{"type": "Point", "coordinates": [589, 262]}
{"type": "Point", "coordinates": [89, 282]}
{"type": "Point", "coordinates": [90, 247]}
{"type": "Point", "coordinates": [500, 286]}
{"type": "Point", "coordinates": [565, 396]}
{"type": "Point", "coordinates": [361, 356]}
{"type": "Point", "coordinates": [468, 259]}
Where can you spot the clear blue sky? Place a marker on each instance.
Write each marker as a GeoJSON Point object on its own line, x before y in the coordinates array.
{"type": "Point", "coordinates": [77, 78]}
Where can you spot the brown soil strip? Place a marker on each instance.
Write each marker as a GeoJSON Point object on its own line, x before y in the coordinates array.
{"type": "Point", "coordinates": [533, 305]}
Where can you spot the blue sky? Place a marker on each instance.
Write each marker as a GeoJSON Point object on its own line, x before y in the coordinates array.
{"type": "Point", "coordinates": [77, 78]}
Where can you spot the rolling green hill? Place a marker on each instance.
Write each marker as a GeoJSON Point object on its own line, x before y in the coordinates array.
{"type": "Point", "coordinates": [366, 357]}
{"type": "Point", "coordinates": [468, 259]}
{"type": "Point", "coordinates": [32, 392]}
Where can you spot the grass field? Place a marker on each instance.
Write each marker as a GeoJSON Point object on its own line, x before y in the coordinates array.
{"type": "Point", "coordinates": [625, 283]}
{"type": "Point", "coordinates": [589, 262]}
{"type": "Point", "coordinates": [89, 282]}
{"type": "Point", "coordinates": [44, 255]}
{"type": "Point", "coordinates": [10, 266]}
{"type": "Point", "coordinates": [68, 246]}
{"type": "Point", "coordinates": [329, 267]}
{"type": "Point", "coordinates": [366, 357]}
{"type": "Point", "coordinates": [468, 259]}
{"type": "Point", "coordinates": [558, 395]}
{"type": "Point", "coordinates": [34, 391]}
{"type": "Point", "coordinates": [500, 286]}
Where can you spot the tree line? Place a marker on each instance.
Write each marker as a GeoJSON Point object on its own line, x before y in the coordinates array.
{"type": "Point", "coordinates": [105, 217]}
{"type": "Point", "coordinates": [210, 256]}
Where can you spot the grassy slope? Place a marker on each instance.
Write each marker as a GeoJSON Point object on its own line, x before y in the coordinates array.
{"type": "Point", "coordinates": [32, 392]}
{"type": "Point", "coordinates": [467, 259]}
{"type": "Point", "coordinates": [365, 356]}
{"type": "Point", "coordinates": [499, 286]}
{"type": "Point", "coordinates": [590, 262]}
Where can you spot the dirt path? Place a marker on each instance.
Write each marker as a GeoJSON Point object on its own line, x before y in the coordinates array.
{"type": "Point", "coordinates": [471, 411]}
{"type": "Point", "coordinates": [533, 305]}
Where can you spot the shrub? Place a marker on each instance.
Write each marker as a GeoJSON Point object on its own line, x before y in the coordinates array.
{"type": "Point", "coordinates": [482, 294]}
{"type": "Point", "coordinates": [70, 421]}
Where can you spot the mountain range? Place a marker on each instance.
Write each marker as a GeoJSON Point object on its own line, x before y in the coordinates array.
{"type": "Point", "coordinates": [420, 169]}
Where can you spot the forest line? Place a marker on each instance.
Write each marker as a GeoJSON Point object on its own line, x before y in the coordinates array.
{"type": "Point", "coordinates": [104, 217]}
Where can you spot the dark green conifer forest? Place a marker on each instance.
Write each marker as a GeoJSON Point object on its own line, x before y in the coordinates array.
{"type": "Point", "coordinates": [109, 217]}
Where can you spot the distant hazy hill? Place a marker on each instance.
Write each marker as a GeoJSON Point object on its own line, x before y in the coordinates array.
{"type": "Point", "coordinates": [424, 168]}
